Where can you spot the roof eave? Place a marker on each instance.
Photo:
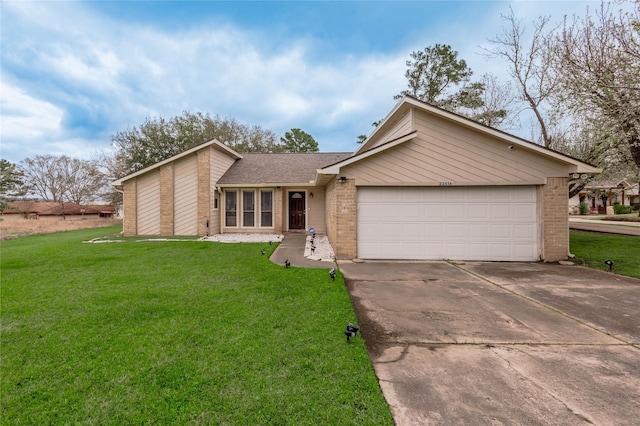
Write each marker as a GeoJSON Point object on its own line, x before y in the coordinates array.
{"type": "Point", "coordinates": [217, 145]}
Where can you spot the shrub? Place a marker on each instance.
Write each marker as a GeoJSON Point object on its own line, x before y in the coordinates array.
{"type": "Point", "coordinates": [584, 208]}
{"type": "Point", "coordinates": [620, 209]}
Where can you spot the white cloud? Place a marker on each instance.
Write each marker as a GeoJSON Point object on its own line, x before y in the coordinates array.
{"type": "Point", "coordinates": [78, 77]}
{"type": "Point", "coordinates": [25, 118]}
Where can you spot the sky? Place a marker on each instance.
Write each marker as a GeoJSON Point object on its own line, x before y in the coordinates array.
{"type": "Point", "coordinates": [73, 74]}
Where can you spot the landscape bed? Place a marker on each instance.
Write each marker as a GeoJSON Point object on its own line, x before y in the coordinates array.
{"type": "Point", "coordinates": [172, 332]}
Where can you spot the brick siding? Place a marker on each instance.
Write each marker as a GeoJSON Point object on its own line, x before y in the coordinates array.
{"type": "Point", "coordinates": [129, 208]}
{"type": "Point", "coordinates": [341, 217]}
{"type": "Point", "coordinates": [555, 219]}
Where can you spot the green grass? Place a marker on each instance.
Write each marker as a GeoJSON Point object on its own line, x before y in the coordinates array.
{"type": "Point", "coordinates": [175, 333]}
{"type": "Point", "coordinates": [592, 249]}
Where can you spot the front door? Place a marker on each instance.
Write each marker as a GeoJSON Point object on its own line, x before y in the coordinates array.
{"type": "Point", "coordinates": [296, 210]}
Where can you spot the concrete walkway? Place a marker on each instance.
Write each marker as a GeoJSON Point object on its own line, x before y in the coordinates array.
{"type": "Point", "coordinates": [609, 227]}
{"type": "Point", "coordinates": [292, 248]}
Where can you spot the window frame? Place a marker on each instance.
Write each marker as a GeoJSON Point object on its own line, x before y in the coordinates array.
{"type": "Point", "coordinates": [226, 208]}
{"type": "Point", "coordinates": [263, 211]}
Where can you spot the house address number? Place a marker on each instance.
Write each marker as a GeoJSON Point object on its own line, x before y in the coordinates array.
{"type": "Point", "coordinates": [446, 183]}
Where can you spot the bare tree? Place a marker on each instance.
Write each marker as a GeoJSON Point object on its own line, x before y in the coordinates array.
{"type": "Point", "coordinates": [41, 175]}
{"type": "Point", "coordinates": [61, 178]}
{"type": "Point", "coordinates": [82, 180]}
{"type": "Point", "coordinates": [496, 109]}
{"type": "Point", "coordinates": [530, 66]}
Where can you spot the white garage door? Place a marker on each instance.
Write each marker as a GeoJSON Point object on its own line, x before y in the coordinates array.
{"type": "Point", "coordinates": [457, 223]}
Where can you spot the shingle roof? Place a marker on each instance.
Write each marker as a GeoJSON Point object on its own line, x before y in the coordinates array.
{"type": "Point", "coordinates": [279, 168]}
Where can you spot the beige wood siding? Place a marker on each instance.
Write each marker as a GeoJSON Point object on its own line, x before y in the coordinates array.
{"type": "Point", "coordinates": [444, 152]}
{"type": "Point", "coordinates": [401, 128]}
{"type": "Point", "coordinates": [316, 210]}
{"type": "Point", "coordinates": [148, 204]}
{"type": "Point", "coordinates": [186, 196]}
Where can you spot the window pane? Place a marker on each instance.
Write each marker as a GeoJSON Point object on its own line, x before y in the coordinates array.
{"type": "Point", "coordinates": [266, 208]}
{"type": "Point", "coordinates": [248, 208]}
{"type": "Point", "coordinates": [230, 208]}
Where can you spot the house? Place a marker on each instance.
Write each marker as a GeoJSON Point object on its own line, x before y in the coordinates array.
{"type": "Point", "coordinates": [600, 195]}
{"type": "Point", "coordinates": [426, 184]}
{"type": "Point", "coordinates": [53, 210]}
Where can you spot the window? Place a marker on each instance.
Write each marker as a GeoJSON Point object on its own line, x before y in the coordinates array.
{"type": "Point", "coordinates": [248, 208]}
{"type": "Point", "coordinates": [230, 208]}
{"type": "Point", "coordinates": [266, 208]}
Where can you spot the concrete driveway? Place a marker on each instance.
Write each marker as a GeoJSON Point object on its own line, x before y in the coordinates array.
{"type": "Point", "coordinates": [501, 343]}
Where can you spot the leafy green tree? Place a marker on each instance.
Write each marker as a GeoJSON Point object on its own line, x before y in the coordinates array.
{"type": "Point", "coordinates": [298, 141]}
{"type": "Point", "coordinates": [435, 75]}
{"type": "Point", "coordinates": [158, 139]}
{"type": "Point", "coordinates": [433, 72]}
{"type": "Point", "coordinates": [10, 183]}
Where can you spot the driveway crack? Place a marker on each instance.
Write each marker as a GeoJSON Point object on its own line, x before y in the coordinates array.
{"type": "Point", "coordinates": [539, 385]}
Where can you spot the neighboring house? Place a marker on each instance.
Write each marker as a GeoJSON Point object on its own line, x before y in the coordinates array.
{"type": "Point", "coordinates": [600, 195]}
{"type": "Point", "coordinates": [426, 184]}
{"type": "Point", "coordinates": [49, 210]}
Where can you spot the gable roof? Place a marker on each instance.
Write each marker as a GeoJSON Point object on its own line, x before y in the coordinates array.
{"type": "Point", "coordinates": [214, 143]}
{"type": "Point", "coordinates": [278, 169]}
{"type": "Point", "coordinates": [408, 102]}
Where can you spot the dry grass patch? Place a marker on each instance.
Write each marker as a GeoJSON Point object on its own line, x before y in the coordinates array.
{"type": "Point", "coordinates": [10, 229]}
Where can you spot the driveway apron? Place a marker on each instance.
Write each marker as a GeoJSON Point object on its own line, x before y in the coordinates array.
{"type": "Point", "coordinates": [500, 343]}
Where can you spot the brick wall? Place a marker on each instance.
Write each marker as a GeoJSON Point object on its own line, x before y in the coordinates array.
{"type": "Point", "coordinates": [345, 217]}
{"type": "Point", "coordinates": [204, 190]}
{"type": "Point", "coordinates": [278, 211]}
{"type": "Point", "coordinates": [166, 199]}
{"type": "Point", "coordinates": [555, 219]}
{"type": "Point", "coordinates": [129, 208]}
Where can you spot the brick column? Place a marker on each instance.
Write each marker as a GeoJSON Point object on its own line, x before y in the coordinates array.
{"type": "Point", "coordinates": [345, 219]}
{"type": "Point", "coordinates": [167, 195]}
{"type": "Point", "coordinates": [204, 190]}
{"type": "Point", "coordinates": [555, 219]}
{"type": "Point", "coordinates": [130, 208]}
{"type": "Point", "coordinates": [278, 211]}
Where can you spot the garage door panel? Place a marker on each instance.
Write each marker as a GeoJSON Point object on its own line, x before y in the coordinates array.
{"type": "Point", "coordinates": [479, 211]}
{"type": "Point", "coordinates": [499, 232]}
{"type": "Point", "coordinates": [523, 212]}
{"type": "Point", "coordinates": [413, 231]}
{"type": "Point", "coordinates": [455, 230]}
{"type": "Point", "coordinates": [479, 230]}
{"type": "Point", "coordinates": [471, 223]}
{"type": "Point", "coordinates": [455, 211]}
{"type": "Point", "coordinates": [524, 232]}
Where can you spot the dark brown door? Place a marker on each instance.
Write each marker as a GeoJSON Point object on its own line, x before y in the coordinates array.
{"type": "Point", "coordinates": [296, 210]}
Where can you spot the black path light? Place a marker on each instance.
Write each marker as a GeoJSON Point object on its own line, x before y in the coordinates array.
{"type": "Point", "coordinates": [332, 274]}
{"type": "Point", "coordinates": [351, 331]}
{"type": "Point", "coordinates": [287, 263]}
{"type": "Point", "coordinates": [263, 251]}
{"type": "Point", "coordinates": [609, 263]}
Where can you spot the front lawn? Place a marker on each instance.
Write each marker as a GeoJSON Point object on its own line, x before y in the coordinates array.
{"type": "Point", "coordinates": [592, 249]}
{"type": "Point", "coordinates": [175, 333]}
